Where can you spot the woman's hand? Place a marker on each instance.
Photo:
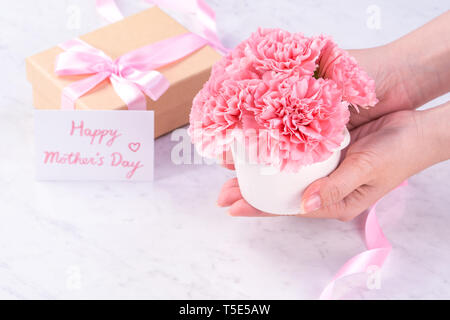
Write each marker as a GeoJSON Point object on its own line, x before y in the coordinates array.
{"type": "Point", "coordinates": [407, 74]}
{"type": "Point", "coordinates": [392, 87]}
{"type": "Point", "coordinates": [388, 144]}
{"type": "Point", "coordinates": [382, 154]}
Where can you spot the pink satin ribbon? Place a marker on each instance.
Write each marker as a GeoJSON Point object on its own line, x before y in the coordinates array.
{"type": "Point", "coordinates": [378, 249]}
{"type": "Point", "coordinates": [108, 10]}
{"type": "Point", "coordinates": [205, 18]}
{"type": "Point", "coordinates": [132, 75]}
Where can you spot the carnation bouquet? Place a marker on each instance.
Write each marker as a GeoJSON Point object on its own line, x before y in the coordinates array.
{"type": "Point", "coordinates": [280, 102]}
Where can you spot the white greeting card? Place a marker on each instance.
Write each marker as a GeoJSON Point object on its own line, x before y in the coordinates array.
{"type": "Point", "coordinates": [94, 145]}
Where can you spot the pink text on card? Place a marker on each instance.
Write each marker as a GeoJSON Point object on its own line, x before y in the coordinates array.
{"type": "Point", "coordinates": [96, 135]}
{"type": "Point", "coordinates": [134, 146]}
{"type": "Point", "coordinates": [118, 160]}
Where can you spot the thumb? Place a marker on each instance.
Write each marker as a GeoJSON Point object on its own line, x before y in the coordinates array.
{"type": "Point", "coordinates": [353, 172]}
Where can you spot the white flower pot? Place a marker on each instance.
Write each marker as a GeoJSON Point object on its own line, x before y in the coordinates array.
{"type": "Point", "coordinates": [278, 192]}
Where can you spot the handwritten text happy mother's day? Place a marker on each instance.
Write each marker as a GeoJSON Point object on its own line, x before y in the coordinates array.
{"type": "Point", "coordinates": [96, 136]}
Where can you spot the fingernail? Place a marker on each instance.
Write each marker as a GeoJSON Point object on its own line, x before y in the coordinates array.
{"type": "Point", "coordinates": [311, 203]}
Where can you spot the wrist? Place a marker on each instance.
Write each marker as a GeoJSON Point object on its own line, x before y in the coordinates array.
{"type": "Point", "coordinates": [399, 80]}
{"type": "Point", "coordinates": [436, 133]}
{"type": "Point", "coordinates": [396, 87]}
{"type": "Point", "coordinates": [420, 59]}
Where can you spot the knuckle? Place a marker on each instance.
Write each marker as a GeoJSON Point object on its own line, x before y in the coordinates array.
{"type": "Point", "coordinates": [339, 211]}
{"type": "Point", "coordinates": [331, 195]}
{"type": "Point", "coordinates": [363, 163]}
{"type": "Point", "coordinates": [334, 211]}
{"type": "Point", "coordinates": [349, 213]}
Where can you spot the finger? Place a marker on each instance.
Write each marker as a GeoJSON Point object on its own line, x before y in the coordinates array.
{"type": "Point", "coordinates": [361, 199]}
{"type": "Point", "coordinates": [242, 208]}
{"type": "Point", "coordinates": [358, 117]}
{"type": "Point", "coordinates": [229, 196]}
{"type": "Point", "coordinates": [330, 212]}
{"type": "Point", "coordinates": [230, 183]}
{"type": "Point", "coordinates": [357, 202]}
{"type": "Point", "coordinates": [355, 170]}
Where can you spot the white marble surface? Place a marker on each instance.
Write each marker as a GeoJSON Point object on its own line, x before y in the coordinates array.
{"type": "Point", "coordinates": [168, 239]}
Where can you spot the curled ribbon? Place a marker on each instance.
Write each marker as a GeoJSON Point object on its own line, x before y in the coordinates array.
{"type": "Point", "coordinates": [378, 249]}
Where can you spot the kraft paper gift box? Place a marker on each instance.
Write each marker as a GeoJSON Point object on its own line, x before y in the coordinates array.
{"type": "Point", "coordinates": [186, 76]}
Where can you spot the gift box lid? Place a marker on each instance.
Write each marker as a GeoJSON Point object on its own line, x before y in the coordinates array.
{"type": "Point", "coordinates": [116, 39]}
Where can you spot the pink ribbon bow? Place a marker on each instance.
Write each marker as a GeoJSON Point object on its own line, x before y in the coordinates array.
{"type": "Point", "coordinates": [132, 75]}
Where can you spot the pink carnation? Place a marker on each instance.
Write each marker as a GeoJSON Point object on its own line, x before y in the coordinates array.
{"type": "Point", "coordinates": [305, 117]}
{"type": "Point", "coordinates": [293, 90]}
{"type": "Point", "coordinates": [280, 51]}
{"type": "Point", "coordinates": [217, 108]}
{"type": "Point", "coordinates": [357, 87]}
